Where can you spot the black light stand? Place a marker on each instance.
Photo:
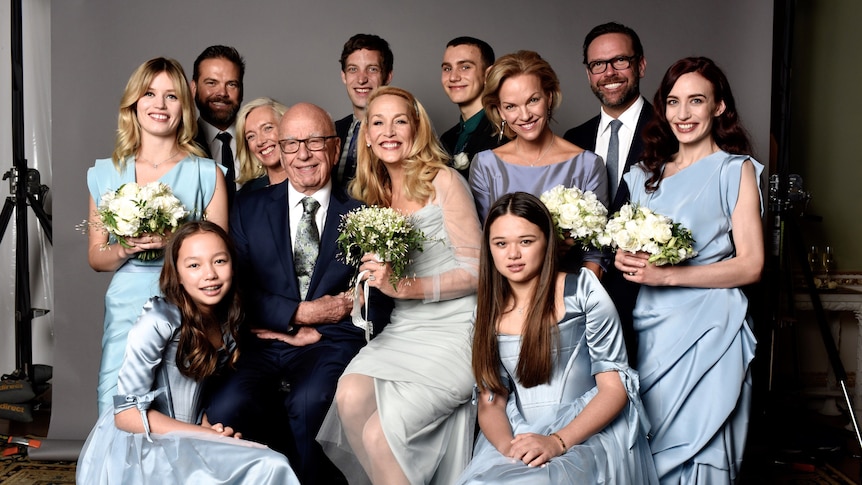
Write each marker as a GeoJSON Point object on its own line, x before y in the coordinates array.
{"type": "Point", "coordinates": [786, 234]}
{"type": "Point", "coordinates": [24, 189]}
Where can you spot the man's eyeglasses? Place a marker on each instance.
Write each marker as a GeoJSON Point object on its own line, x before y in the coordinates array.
{"type": "Point", "coordinates": [313, 144]}
{"type": "Point", "coordinates": [620, 63]}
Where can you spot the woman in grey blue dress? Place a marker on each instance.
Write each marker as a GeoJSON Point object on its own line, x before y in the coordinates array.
{"type": "Point", "coordinates": [157, 432]}
{"type": "Point", "coordinates": [521, 93]}
{"type": "Point", "coordinates": [557, 400]}
{"type": "Point", "coordinates": [155, 133]}
{"type": "Point", "coordinates": [694, 333]}
{"type": "Point", "coordinates": [402, 412]}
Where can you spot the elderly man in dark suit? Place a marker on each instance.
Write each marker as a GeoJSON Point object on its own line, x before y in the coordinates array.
{"type": "Point", "coordinates": [615, 62]}
{"type": "Point", "coordinates": [297, 299]}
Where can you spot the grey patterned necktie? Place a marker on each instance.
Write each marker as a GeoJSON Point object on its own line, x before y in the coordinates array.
{"type": "Point", "coordinates": [613, 159]}
{"type": "Point", "coordinates": [307, 244]}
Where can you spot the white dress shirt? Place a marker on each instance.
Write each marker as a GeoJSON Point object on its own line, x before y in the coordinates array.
{"type": "Point", "coordinates": [210, 133]}
{"type": "Point", "coordinates": [629, 120]}
{"type": "Point", "coordinates": [295, 209]}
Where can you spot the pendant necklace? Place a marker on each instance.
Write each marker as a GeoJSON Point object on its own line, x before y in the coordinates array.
{"type": "Point", "coordinates": [544, 152]}
{"type": "Point", "coordinates": [156, 165]}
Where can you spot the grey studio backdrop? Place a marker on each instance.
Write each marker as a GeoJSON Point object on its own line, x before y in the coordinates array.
{"type": "Point", "coordinates": [291, 50]}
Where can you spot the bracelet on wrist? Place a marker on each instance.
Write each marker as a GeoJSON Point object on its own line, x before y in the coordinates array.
{"type": "Point", "coordinates": [560, 438]}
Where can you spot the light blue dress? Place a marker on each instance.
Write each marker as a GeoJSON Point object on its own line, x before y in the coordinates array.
{"type": "Point", "coordinates": [695, 345]}
{"type": "Point", "coordinates": [492, 177]}
{"type": "Point", "coordinates": [193, 181]}
{"type": "Point", "coordinates": [149, 379]}
{"type": "Point", "coordinates": [591, 341]}
{"type": "Point", "coordinates": [421, 361]}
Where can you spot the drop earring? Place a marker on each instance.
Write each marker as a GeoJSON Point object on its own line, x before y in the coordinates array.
{"type": "Point", "coordinates": [502, 127]}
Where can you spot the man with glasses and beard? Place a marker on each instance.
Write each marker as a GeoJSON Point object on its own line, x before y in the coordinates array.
{"type": "Point", "coordinates": [615, 63]}
{"type": "Point", "coordinates": [217, 88]}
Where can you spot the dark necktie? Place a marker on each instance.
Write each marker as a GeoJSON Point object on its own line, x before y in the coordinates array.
{"type": "Point", "coordinates": [348, 170]}
{"type": "Point", "coordinates": [227, 161]}
{"type": "Point", "coordinates": [307, 245]}
{"type": "Point", "coordinates": [613, 159]}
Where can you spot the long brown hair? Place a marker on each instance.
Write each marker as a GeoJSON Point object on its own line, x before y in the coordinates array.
{"type": "Point", "coordinates": [197, 358]}
{"type": "Point", "coordinates": [660, 144]}
{"type": "Point", "coordinates": [426, 157]}
{"type": "Point", "coordinates": [539, 336]}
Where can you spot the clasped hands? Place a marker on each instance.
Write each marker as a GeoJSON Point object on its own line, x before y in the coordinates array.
{"type": "Point", "coordinates": [534, 449]}
{"type": "Point", "coordinates": [146, 241]}
{"type": "Point", "coordinates": [636, 267]}
{"type": "Point", "coordinates": [323, 310]}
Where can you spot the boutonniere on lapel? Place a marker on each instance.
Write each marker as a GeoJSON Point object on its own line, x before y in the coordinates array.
{"type": "Point", "coordinates": [460, 162]}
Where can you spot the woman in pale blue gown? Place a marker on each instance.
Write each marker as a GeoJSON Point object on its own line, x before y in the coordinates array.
{"type": "Point", "coordinates": [694, 331]}
{"type": "Point", "coordinates": [402, 413]}
{"type": "Point", "coordinates": [156, 432]}
{"type": "Point", "coordinates": [521, 93]}
{"type": "Point", "coordinates": [557, 400]}
{"type": "Point", "coordinates": [154, 142]}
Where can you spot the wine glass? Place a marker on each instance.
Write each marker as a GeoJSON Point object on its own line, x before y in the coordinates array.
{"type": "Point", "coordinates": [814, 261]}
{"type": "Point", "coordinates": [828, 260]}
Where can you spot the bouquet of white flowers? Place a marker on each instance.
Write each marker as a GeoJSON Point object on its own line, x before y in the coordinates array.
{"type": "Point", "coordinates": [576, 214]}
{"type": "Point", "coordinates": [382, 231]}
{"type": "Point", "coordinates": [132, 210]}
{"type": "Point", "coordinates": [636, 228]}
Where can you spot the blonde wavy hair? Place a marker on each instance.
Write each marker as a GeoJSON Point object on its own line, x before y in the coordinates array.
{"type": "Point", "coordinates": [426, 157]}
{"type": "Point", "coordinates": [128, 139]}
{"type": "Point", "coordinates": [249, 167]}
{"type": "Point", "coordinates": [511, 65]}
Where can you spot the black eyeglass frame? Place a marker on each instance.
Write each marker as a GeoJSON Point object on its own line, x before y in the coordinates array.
{"type": "Point", "coordinates": [308, 143]}
{"type": "Point", "coordinates": [619, 63]}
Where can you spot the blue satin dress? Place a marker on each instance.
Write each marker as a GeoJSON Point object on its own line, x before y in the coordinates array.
{"type": "Point", "coordinates": [149, 379]}
{"type": "Point", "coordinates": [591, 342]}
{"type": "Point", "coordinates": [193, 181]}
{"type": "Point", "coordinates": [695, 345]}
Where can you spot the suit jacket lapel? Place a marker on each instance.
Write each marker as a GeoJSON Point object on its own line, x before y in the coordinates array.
{"type": "Point", "coordinates": [638, 142]}
{"type": "Point", "coordinates": [328, 245]}
{"type": "Point", "coordinates": [279, 226]}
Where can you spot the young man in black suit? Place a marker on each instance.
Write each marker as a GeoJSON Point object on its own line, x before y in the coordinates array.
{"type": "Point", "coordinates": [366, 63]}
{"type": "Point", "coordinates": [465, 63]}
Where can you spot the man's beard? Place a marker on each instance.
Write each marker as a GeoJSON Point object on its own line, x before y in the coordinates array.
{"type": "Point", "coordinates": [628, 95]}
{"type": "Point", "coordinates": [223, 117]}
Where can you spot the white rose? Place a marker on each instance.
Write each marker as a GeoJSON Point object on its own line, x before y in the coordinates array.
{"type": "Point", "coordinates": [129, 190]}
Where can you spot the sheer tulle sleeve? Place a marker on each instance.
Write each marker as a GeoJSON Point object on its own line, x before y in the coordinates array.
{"type": "Point", "coordinates": [463, 235]}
